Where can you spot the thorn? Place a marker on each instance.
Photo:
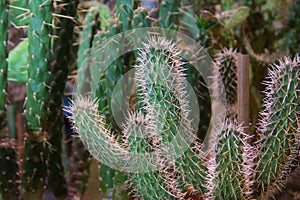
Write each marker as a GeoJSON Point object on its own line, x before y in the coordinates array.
{"type": "Point", "coordinates": [64, 16]}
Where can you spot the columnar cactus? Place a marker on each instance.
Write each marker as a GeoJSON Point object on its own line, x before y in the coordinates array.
{"type": "Point", "coordinates": [59, 70]}
{"type": "Point", "coordinates": [232, 164]}
{"type": "Point", "coordinates": [278, 147]}
{"type": "Point", "coordinates": [38, 96]}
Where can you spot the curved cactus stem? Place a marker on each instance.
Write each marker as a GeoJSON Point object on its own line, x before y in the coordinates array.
{"type": "Point", "coordinates": [278, 128]}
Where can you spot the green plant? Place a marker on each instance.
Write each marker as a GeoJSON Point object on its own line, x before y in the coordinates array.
{"type": "Point", "coordinates": [158, 106]}
{"type": "Point", "coordinates": [278, 128]}
{"type": "Point", "coordinates": [234, 167]}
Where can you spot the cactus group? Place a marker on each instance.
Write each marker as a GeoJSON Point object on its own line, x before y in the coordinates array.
{"type": "Point", "coordinates": [156, 149]}
{"type": "Point", "coordinates": [235, 169]}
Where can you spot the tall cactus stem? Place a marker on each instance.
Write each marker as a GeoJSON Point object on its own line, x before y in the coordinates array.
{"type": "Point", "coordinates": [278, 128]}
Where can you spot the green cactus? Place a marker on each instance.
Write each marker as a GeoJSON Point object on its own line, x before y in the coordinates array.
{"type": "Point", "coordinates": [59, 70]}
{"type": "Point", "coordinates": [86, 39]}
{"type": "Point", "coordinates": [38, 84]}
{"type": "Point", "coordinates": [169, 13]}
{"type": "Point", "coordinates": [233, 163]}
{"type": "Point", "coordinates": [124, 11]}
{"type": "Point", "coordinates": [226, 66]}
{"type": "Point", "coordinates": [278, 147]}
{"type": "Point", "coordinates": [38, 96]}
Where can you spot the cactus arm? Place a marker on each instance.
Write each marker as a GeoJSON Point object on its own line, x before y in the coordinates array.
{"type": "Point", "coordinates": [39, 31]}
{"type": "Point", "coordinates": [59, 69]}
{"type": "Point", "coordinates": [86, 38]}
{"type": "Point", "coordinates": [278, 128]}
{"type": "Point", "coordinates": [169, 13]}
{"type": "Point", "coordinates": [233, 161]}
{"type": "Point", "coordinates": [124, 11]}
{"type": "Point", "coordinates": [38, 95]}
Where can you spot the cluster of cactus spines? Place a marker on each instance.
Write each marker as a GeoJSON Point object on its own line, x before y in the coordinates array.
{"type": "Point", "coordinates": [38, 97]}
{"type": "Point", "coordinates": [141, 18]}
{"type": "Point", "coordinates": [9, 176]}
{"type": "Point", "coordinates": [59, 71]}
{"type": "Point", "coordinates": [3, 60]}
{"type": "Point", "coordinates": [232, 164]}
{"type": "Point", "coordinates": [278, 147]}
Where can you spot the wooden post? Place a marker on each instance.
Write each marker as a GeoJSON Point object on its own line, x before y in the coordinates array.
{"type": "Point", "coordinates": [243, 91]}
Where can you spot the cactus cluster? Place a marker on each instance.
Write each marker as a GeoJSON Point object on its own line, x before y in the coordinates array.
{"type": "Point", "coordinates": [233, 169]}
{"type": "Point", "coordinates": [157, 151]}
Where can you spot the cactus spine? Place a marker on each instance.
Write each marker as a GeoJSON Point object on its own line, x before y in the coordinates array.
{"type": "Point", "coordinates": [38, 96]}
{"type": "Point", "coordinates": [278, 147]}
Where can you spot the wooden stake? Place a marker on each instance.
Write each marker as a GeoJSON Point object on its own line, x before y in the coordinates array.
{"type": "Point", "coordinates": [243, 91]}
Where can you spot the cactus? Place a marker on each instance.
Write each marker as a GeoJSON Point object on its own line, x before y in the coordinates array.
{"type": "Point", "coordinates": [59, 71]}
{"type": "Point", "coordinates": [38, 96]}
{"type": "Point", "coordinates": [233, 162]}
{"type": "Point", "coordinates": [226, 62]}
{"type": "Point", "coordinates": [168, 13]}
{"type": "Point", "coordinates": [278, 147]}
{"type": "Point", "coordinates": [124, 11]}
